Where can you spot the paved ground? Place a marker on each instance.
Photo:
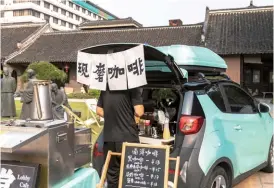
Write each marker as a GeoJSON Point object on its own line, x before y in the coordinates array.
{"type": "Point", "coordinates": [259, 180]}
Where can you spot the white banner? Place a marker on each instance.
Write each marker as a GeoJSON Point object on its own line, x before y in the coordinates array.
{"type": "Point", "coordinates": [135, 63]}
{"type": "Point", "coordinates": [83, 68]}
{"type": "Point", "coordinates": [117, 78]}
{"type": "Point", "coordinates": [98, 78]}
{"type": "Point", "coordinates": [122, 70]}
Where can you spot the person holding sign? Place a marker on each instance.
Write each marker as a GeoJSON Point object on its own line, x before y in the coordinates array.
{"type": "Point", "coordinates": [119, 109]}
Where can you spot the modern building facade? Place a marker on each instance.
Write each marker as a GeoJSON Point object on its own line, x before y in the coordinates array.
{"type": "Point", "coordinates": [60, 14]}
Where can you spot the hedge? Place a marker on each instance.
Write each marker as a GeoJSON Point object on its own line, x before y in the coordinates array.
{"type": "Point", "coordinates": [46, 71]}
{"type": "Point", "coordinates": [91, 94]}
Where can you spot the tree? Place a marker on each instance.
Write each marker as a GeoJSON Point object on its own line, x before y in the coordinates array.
{"type": "Point", "coordinates": [46, 71]}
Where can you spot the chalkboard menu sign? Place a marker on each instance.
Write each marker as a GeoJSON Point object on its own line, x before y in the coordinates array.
{"type": "Point", "coordinates": [17, 174]}
{"type": "Point", "coordinates": [144, 166]}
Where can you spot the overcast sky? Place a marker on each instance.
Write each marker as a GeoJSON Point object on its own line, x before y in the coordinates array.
{"type": "Point", "coordinates": [158, 12]}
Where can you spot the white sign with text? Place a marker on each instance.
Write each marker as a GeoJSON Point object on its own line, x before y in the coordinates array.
{"type": "Point", "coordinates": [83, 68]}
{"type": "Point", "coordinates": [135, 63]}
{"type": "Point", "coordinates": [121, 70]}
{"type": "Point", "coordinates": [98, 78]}
{"type": "Point", "coordinates": [117, 78]}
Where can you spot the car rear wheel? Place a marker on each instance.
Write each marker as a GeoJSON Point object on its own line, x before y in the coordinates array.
{"type": "Point", "coordinates": [270, 161]}
{"type": "Point", "coordinates": [219, 179]}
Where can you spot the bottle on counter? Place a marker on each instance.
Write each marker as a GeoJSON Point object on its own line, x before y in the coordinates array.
{"type": "Point", "coordinates": [147, 127]}
{"type": "Point", "coordinates": [141, 127]}
{"type": "Point", "coordinates": [166, 133]}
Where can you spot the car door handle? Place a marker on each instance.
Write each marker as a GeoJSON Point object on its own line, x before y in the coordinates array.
{"type": "Point", "coordinates": [238, 128]}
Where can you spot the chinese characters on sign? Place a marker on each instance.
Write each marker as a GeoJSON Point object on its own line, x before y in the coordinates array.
{"type": "Point", "coordinates": [98, 79]}
{"type": "Point", "coordinates": [117, 78]}
{"type": "Point", "coordinates": [6, 178]}
{"type": "Point", "coordinates": [14, 175]}
{"type": "Point", "coordinates": [144, 167]}
{"type": "Point", "coordinates": [100, 71]}
{"type": "Point", "coordinates": [121, 70]}
{"type": "Point", "coordinates": [136, 67]}
{"type": "Point", "coordinates": [115, 71]}
{"type": "Point", "coordinates": [135, 63]}
{"type": "Point", "coordinates": [83, 68]}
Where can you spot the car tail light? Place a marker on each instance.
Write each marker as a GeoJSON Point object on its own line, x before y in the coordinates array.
{"type": "Point", "coordinates": [190, 124]}
{"type": "Point", "coordinates": [97, 153]}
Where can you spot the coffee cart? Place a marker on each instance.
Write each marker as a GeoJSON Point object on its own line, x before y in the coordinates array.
{"type": "Point", "coordinates": [55, 145]}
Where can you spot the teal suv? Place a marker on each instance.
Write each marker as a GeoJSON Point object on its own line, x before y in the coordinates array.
{"type": "Point", "coordinates": [225, 134]}
{"type": "Point", "coordinates": [222, 134]}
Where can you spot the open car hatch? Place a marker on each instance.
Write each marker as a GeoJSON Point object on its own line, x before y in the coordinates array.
{"type": "Point", "coordinates": [160, 67]}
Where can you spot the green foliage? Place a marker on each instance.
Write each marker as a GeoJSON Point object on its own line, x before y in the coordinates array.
{"type": "Point", "coordinates": [163, 94]}
{"type": "Point", "coordinates": [94, 92]}
{"type": "Point", "coordinates": [46, 71]}
{"type": "Point", "coordinates": [91, 94]}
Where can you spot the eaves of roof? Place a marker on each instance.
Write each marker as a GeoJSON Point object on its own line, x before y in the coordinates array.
{"type": "Point", "coordinates": [63, 46]}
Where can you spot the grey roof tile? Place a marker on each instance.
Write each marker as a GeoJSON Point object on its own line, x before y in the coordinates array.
{"type": "Point", "coordinates": [111, 23]}
{"type": "Point", "coordinates": [12, 35]}
{"type": "Point", "coordinates": [63, 46]}
{"type": "Point", "coordinates": [240, 31]}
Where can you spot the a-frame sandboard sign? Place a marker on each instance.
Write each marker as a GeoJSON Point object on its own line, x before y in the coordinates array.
{"type": "Point", "coordinates": [143, 165]}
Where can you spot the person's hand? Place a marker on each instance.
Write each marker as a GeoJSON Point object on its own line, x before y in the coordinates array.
{"type": "Point", "coordinates": [137, 119]}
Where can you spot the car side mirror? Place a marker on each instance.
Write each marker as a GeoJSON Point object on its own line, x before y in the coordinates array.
{"type": "Point", "coordinates": [263, 108]}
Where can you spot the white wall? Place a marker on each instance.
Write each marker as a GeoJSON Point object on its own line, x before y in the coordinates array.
{"type": "Point", "coordinates": [20, 19]}
{"type": "Point", "coordinates": [8, 8]}
{"type": "Point", "coordinates": [42, 9]}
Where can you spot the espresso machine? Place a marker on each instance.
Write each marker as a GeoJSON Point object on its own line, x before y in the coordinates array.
{"type": "Point", "coordinates": [56, 145]}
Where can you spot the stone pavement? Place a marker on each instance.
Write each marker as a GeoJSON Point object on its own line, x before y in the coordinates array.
{"type": "Point", "coordinates": [258, 180]}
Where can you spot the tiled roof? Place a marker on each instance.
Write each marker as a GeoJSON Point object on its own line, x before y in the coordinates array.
{"type": "Point", "coordinates": [13, 34]}
{"type": "Point", "coordinates": [240, 31]}
{"type": "Point", "coordinates": [126, 22]}
{"type": "Point", "coordinates": [63, 46]}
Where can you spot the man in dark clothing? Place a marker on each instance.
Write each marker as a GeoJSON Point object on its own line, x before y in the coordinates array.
{"type": "Point", "coordinates": [119, 109]}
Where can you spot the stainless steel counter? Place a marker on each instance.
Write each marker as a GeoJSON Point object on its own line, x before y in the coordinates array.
{"type": "Point", "coordinates": [53, 144]}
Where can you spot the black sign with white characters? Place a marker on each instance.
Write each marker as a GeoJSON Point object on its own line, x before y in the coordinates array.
{"type": "Point", "coordinates": [19, 175]}
{"type": "Point", "coordinates": [144, 167]}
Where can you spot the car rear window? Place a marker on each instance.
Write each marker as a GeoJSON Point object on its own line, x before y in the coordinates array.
{"type": "Point", "coordinates": [239, 101]}
{"type": "Point", "coordinates": [215, 95]}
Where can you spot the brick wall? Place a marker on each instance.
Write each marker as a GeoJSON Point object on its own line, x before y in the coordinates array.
{"type": "Point", "coordinates": [233, 70]}
{"type": "Point", "coordinates": [72, 79]}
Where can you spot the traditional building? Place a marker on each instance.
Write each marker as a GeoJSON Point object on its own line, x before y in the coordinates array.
{"type": "Point", "coordinates": [243, 37]}
{"type": "Point", "coordinates": [110, 24]}
{"type": "Point", "coordinates": [60, 48]}
{"type": "Point", "coordinates": [17, 38]}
